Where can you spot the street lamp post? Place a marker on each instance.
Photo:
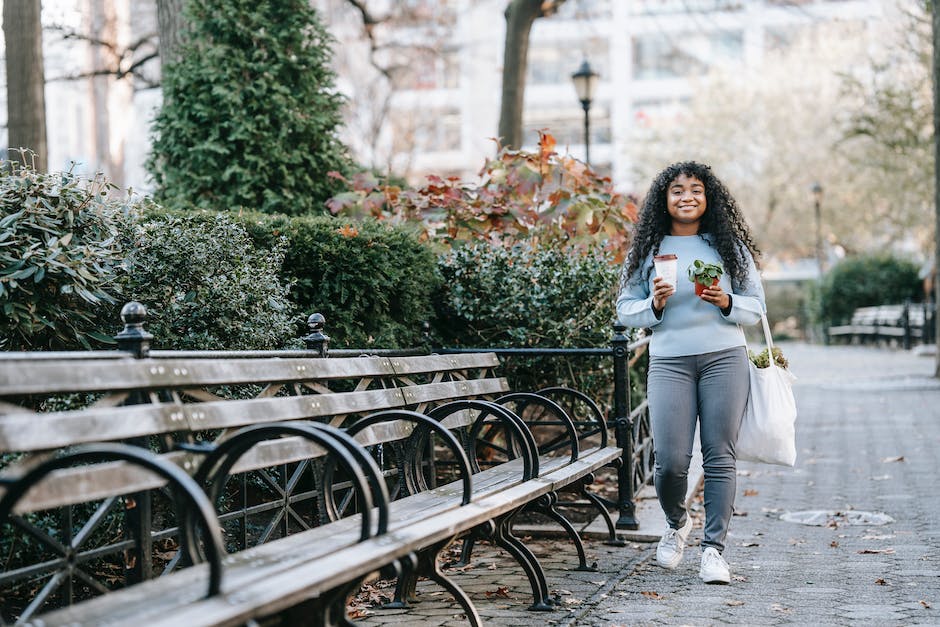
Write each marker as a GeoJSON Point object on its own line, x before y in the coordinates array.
{"type": "Point", "coordinates": [817, 202]}
{"type": "Point", "coordinates": [584, 81]}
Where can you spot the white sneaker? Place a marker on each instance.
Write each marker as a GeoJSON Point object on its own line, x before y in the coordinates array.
{"type": "Point", "coordinates": [672, 544]}
{"type": "Point", "coordinates": [714, 567]}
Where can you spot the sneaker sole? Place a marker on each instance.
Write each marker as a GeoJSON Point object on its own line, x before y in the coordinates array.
{"type": "Point", "coordinates": [715, 580]}
{"type": "Point", "coordinates": [719, 582]}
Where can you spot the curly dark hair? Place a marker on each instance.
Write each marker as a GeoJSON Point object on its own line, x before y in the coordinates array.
{"type": "Point", "coordinates": [722, 221]}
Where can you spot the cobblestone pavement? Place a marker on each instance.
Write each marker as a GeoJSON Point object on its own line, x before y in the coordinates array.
{"type": "Point", "coordinates": [868, 441]}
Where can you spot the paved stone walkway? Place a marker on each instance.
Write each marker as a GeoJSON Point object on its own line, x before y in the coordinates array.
{"type": "Point", "coordinates": [868, 442]}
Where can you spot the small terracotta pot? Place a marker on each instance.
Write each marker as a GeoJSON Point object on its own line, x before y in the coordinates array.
{"type": "Point", "coordinates": [699, 288]}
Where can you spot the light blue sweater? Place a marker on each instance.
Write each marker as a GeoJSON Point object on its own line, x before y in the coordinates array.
{"type": "Point", "coordinates": [690, 325]}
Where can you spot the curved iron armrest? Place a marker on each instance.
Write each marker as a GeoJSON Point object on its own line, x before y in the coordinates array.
{"type": "Point", "coordinates": [427, 423]}
{"type": "Point", "coordinates": [358, 463]}
{"type": "Point", "coordinates": [594, 411]}
{"type": "Point", "coordinates": [530, 458]}
{"type": "Point", "coordinates": [529, 398]}
{"type": "Point", "coordinates": [199, 504]}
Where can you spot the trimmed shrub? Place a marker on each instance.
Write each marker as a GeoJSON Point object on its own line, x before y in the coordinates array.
{"type": "Point", "coordinates": [60, 257]}
{"type": "Point", "coordinates": [207, 286]}
{"type": "Point", "coordinates": [529, 296]}
{"type": "Point", "coordinates": [373, 282]}
{"type": "Point", "coordinates": [866, 281]}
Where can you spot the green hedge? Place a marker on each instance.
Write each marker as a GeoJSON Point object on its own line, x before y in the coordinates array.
{"type": "Point", "coordinates": [527, 296]}
{"type": "Point", "coordinates": [866, 281]}
{"type": "Point", "coordinates": [373, 282]}
{"type": "Point", "coordinates": [207, 286]}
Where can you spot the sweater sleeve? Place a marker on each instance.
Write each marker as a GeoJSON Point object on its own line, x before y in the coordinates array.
{"type": "Point", "coordinates": [748, 303]}
{"type": "Point", "coordinates": [635, 303]}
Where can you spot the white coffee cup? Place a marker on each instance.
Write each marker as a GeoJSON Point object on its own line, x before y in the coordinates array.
{"type": "Point", "coordinates": [666, 268]}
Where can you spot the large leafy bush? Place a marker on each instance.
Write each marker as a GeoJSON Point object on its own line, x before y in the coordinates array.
{"type": "Point", "coordinates": [60, 258]}
{"type": "Point", "coordinates": [866, 281]}
{"type": "Point", "coordinates": [207, 286]}
{"type": "Point", "coordinates": [250, 111]}
{"type": "Point", "coordinates": [519, 196]}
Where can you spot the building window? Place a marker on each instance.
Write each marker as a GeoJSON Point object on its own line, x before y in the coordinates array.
{"type": "Point", "coordinates": [568, 129]}
{"type": "Point", "coordinates": [552, 63]}
{"type": "Point", "coordinates": [585, 10]}
{"type": "Point", "coordinates": [439, 132]}
{"type": "Point", "coordinates": [663, 7]}
{"type": "Point", "coordinates": [657, 56]}
{"type": "Point", "coordinates": [431, 71]}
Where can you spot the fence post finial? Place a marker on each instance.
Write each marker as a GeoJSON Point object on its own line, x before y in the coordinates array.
{"type": "Point", "coordinates": [134, 338]}
{"type": "Point", "coordinates": [317, 340]}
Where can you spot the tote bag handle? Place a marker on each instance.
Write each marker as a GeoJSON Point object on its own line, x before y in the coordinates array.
{"type": "Point", "coordinates": [768, 340]}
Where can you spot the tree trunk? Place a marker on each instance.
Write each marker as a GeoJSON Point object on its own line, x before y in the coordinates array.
{"type": "Point", "coordinates": [26, 103]}
{"type": "Point", "coordinates": [170, 19]}
{"type": "Point", "coordinates": [520, 15]}
{"type": "Point", "coordinates": [936, 169]}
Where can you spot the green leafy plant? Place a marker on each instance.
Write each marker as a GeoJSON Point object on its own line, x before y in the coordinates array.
{"type": "Point", "coordinates": [704, 273]}
{"type": "Point", "coordinates": [761, 359]}
{"type": "Point", "coordinates": [250, 111]}
{"type": "Point", "coordinates": [60, 258]}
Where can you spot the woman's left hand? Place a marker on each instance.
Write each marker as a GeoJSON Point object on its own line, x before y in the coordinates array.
{"type": "Point", "coordinates": [716, 296]}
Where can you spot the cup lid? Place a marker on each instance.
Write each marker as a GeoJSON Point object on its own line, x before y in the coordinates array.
{"type": "Point", "coordinates": [668, 257]}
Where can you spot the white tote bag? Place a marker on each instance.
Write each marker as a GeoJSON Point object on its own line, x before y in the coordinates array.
{"type": "Point", "coordinates": [767, 432]}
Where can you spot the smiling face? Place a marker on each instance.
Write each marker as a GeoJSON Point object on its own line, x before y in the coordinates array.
{"type": "Point", "coordinates": [686, 204]}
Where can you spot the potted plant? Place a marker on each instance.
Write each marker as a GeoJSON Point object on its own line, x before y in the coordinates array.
{"type": "Point", "coordinates": [704, 274]}
{"type": "Point", "coordinates": [761, 360]}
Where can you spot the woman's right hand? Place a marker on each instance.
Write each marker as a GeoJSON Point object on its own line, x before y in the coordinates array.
{"type": "Point", "coordinates": [662, 290]}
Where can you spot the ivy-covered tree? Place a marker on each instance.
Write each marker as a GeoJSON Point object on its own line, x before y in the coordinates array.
{"type": "Point", "coordinates": [250, 111]}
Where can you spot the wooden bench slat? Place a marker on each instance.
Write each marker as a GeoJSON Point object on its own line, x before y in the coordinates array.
{"type": "Point", "coordinates": [443, 363]}
{"type": "Point", "coordinates": [40, 377]}
{"type": "Point", "coordinates": [33, 432]}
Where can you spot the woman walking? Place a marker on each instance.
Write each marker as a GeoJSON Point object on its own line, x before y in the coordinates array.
{"type": "Point", "coordinates": [698, 368]}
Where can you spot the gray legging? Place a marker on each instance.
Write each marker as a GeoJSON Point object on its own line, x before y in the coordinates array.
{"type": "Point", "coordinates": [712, 388]}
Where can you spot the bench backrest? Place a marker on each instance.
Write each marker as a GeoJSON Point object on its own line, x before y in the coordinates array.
{"type": "Point", "coordinates": [176, 398]}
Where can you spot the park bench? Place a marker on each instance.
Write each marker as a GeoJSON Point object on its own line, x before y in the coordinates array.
{"type": "Point", "coordinates": [367, 458]}
{"type": "Point", "coordinates": [904, 324]}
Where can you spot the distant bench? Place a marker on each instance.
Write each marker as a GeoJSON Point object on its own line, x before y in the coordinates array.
{"type": "Point", "coordinates": [343, 467]}
{"type": "Point", "coordinates": [905, 324]}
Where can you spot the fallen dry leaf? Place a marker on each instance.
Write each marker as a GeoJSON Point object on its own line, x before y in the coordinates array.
{"type": "Point", "coordinates": [652, 595]}
{"type": "Point", "coordinates": [891, 460]}
{"type": "Point", "coordinates": [876, 551]}
{"type": "Point", "coordinates": [925, 604]}
{"type": "Point", "coordinates": [881, 582]}
{"type": "Point", "coordinates": [501, 591]}
{"type": "Point", "coordinates": [834, 544]}
{"type": "Point", "coordinates": [749, 544]}
{"type": "Point", "coordinates": [780, 608]}
{"type": "Point", "coordinates": [734, 602]}
{"type": "Point", "coordinates": [751, 492]}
